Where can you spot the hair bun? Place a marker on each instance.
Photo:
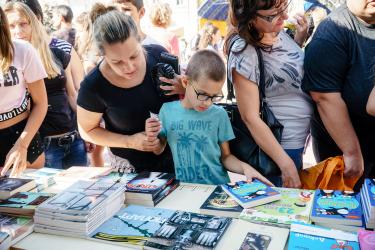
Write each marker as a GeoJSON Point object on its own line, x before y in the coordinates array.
{"type": "Point", "coordinates": [99, 9]}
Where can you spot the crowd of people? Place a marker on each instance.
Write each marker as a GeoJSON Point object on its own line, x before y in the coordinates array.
{"type": "Point", "coordinates": [91, 85]}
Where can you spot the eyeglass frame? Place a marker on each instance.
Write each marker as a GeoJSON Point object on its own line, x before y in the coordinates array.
{"type": "Point", "coordinates": [207, 97]}
{"type": "Point", "coordinates": [270, 18]}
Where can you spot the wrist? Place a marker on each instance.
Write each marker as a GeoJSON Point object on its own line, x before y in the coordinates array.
{"type": "Point", "coordinates": [128, 141]}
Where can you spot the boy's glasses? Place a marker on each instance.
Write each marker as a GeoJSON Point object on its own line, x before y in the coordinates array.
{"type": "Point", "coordinates": [270, 18]}
{"type": "Point", "coordinates": [204, 97]}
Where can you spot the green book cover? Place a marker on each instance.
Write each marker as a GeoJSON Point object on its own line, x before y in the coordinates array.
{"type": "Point", "coordinates": [294, 206]}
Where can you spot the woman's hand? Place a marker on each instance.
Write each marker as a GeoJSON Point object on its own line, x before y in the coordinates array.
{"type": "Point", "coordinates": [141, 142]}
{"type": "Point", "coordinates": [302, 28]}
{"type": "Point", "coordinates": [175, 87]}
{"type": "Point", "coordinates": [17, 157]}
{"type": "Point", "coordinates": [290, 177]}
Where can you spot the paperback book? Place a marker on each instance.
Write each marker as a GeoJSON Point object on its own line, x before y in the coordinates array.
{"type": "Point", "coordinates": [23, 203]}
{"type": "Point", "coordinates": [340, 207]}
{"type": "Point", "coordinates": [43, 177]}
{"type": "Point", "coordinates": [132, 225]}
{"type": "Point", "coordinates": [254, 241]}
{"type": "Point", "coordinates": [73, 174]}
{"type": "Point", "coordinates": [251, 194]}
{"type": "Point", "coordinates": [147, 185]}
{"type": "Point", "coordinates": [17, 227]}
{"type": "Point", "coordinates": [219, 203]}
{"type": "Point", "coordinates": [11, 186]}
{"type": "Point", "coordinates": [185, 230]}
{"type": "Point", "coordinates": [309, 237]}
{"type": "Point", "coordinates": [158, 198]}
{"type": "Point", "coordinates": [294, 206]}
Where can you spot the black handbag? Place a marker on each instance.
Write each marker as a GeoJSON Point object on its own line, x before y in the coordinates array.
{"type": "Point", "coordinates": [244, 146]}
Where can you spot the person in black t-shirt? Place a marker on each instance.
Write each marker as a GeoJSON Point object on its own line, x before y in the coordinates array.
{"type": "Point", "coordinates": [371, 103]}
{"type": "Point", "coordinates": [121, 90]}
{"type": "Point", "coordinates": [62, 144]}
{"type": "Point", "coordinates": [340, 74]}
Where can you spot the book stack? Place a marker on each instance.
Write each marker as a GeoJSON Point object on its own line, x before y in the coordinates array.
{"type": "Point", "coordinates": [11, 186]}
{"type": "Point", "coordinates": [23, 203]}
{"type": "Point", "coordinates": [294, 206]}
{"type": "Point", "coordinates": [251, 194]}
{"type": "Point", "coordinates": [309, 237]}
{"type": "Point", "coordinates": [149, 188]}
{"type": "Point", "coordinates": [337, 209]}
{"type": "Point", "coordinates": [4, 241]}
{"type": "Point", "coordinates": [80, 209]}
{"type": "Point", "coordinates": [185, 230]}
{"type": "Point", "coordinates": [43, 177]}
{"type": "Point", "coordinates": [368, 202]}
{"type": "Point", "coordinates": [219, 203]}
{"type": "Point", "coordinates": [17, 227]}
{"type": "Point", "coordinates": [132, 226]}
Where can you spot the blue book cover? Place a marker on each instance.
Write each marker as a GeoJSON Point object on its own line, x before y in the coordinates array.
{"type": "Point", "coordinates": [342, 207]}
{"type": "Point", "coordinates": [25, 200]}
{"type": "Point", "coordinates": [132, 225]}
{"type": "Point", "coordinates": [251, 194]}
{"type": "Point", "coordinates": [309, 237]}
{"type": "Point", "coordinates": [370, 192]}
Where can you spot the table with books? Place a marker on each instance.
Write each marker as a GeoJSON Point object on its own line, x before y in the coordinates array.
{"type": "Point", "coordinates": [188, 216]}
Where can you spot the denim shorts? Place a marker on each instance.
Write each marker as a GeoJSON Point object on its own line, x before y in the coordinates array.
{"type": "Point", "coordinates": [9, 136]}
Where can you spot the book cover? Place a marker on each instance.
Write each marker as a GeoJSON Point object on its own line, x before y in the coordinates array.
{"type": "Point", "coordinates": [16, 227]}
{"type": "Point", "coordinates": [116, 176]}
{"type": "Point", "coordinates": [369, 192]}
{"type": "Point", "coordinates": [23, 200]}
{"type": "Point", "coordinates": [220, 203]}
{"type": "Point", "coordinates": [4, 241]}
{"type": "Point", "coordinates": [185, 230]}
{"type": "Point", "coordinates": [342, 207]}
{"type": "Point", "coordinates": [82, 197]}
{"type": "Point", "coordinates": [132, 225]}
{"type": "Point", "coordinates": [294, 206]}
{"type": "Point", "coordinates": [251, 194]}
{"type": "Point", "coordinates": [10, 186]}
{"type": "Point", "coordinates": [366, 239]}
{"type": "Point", "coordinates": [309, 237]}
{"type": "Point", "coordinates": [148, 183]}
{"type": "Point", "coordinates": [255, 241]}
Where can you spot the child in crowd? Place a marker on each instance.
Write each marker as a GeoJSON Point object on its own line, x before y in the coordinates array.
{"type": "Point", "coordinates": [197, 131]}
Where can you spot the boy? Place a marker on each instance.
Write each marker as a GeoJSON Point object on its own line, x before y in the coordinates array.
{"type": "Point", "coordinates": [197, 131]}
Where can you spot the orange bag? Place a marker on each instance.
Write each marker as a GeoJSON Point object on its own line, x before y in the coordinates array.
{"type": "Point", "coordinates": [328, 174]}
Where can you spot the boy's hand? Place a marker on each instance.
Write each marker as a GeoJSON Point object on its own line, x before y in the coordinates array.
{"type": "Point", "coordinates": [152, 128]}
{"type": "Point", "coordinates": [251, 173]}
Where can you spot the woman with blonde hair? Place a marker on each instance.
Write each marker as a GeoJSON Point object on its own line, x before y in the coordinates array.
{"type": "Point", "coordinates": [161, 18]}
{"type": "Point", "coordinates": [21, 76]}
{"type": "Point", "coordinates": [63, 145]}
{"type": "Point", "coordinates": [210, 37]}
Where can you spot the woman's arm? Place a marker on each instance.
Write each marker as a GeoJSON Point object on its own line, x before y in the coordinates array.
{"type": "Point", "coordinates": [17, 156]}
{"type": "Point", "coordinates": [77, 71]}
{"type": "Point", "coordinates": [71, 90]}
{"type": "Point", "coordinates": [90, 130]}
{"type": "Point", "coordinates": [234, 165]}
{"type": "Point", "coordinates": [248, 105]}
{"type": "Point", "coordinates": [371, 103]}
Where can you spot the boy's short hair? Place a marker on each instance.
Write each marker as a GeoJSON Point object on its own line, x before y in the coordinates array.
{"type": "Point", "coordinates": [137, 3]}
{"type": "Point", "coordinates": [206, 64]}
{"type": "Point", "coordinates": [66, 12]}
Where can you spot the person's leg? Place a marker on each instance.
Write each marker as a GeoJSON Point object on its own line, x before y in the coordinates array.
{"type": "Point", "coordinates": [75, 154]}
{"type": "Point", "coordinates": [54, 154]}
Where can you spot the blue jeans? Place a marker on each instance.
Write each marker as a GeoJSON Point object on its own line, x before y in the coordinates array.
{"type": "Point", "coordinates": [296, 155]}
{"type": "Point", "coordinates": [63, 156]}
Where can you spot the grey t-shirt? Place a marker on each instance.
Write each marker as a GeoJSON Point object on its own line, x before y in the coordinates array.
{"type": "Point", "coordinates": [283, 77]}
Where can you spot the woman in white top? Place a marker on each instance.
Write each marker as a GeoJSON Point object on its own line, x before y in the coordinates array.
{"type": "Point", "coordinates": [21, 75]}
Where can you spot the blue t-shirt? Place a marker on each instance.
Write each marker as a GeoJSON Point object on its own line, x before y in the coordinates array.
{"type": "Point", "coordinates": [194, 138]}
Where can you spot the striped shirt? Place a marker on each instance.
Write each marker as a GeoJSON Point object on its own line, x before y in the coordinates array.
{"type": "Point", "coordinates": [61, 44]}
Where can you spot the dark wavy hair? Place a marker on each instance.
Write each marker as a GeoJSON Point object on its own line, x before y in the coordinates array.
{"type": "Point", "coordinates": [241, 14]}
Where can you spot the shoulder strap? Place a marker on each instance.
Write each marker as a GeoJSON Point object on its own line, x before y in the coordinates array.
{"type": "Point", "coordinates": [262, 84]}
